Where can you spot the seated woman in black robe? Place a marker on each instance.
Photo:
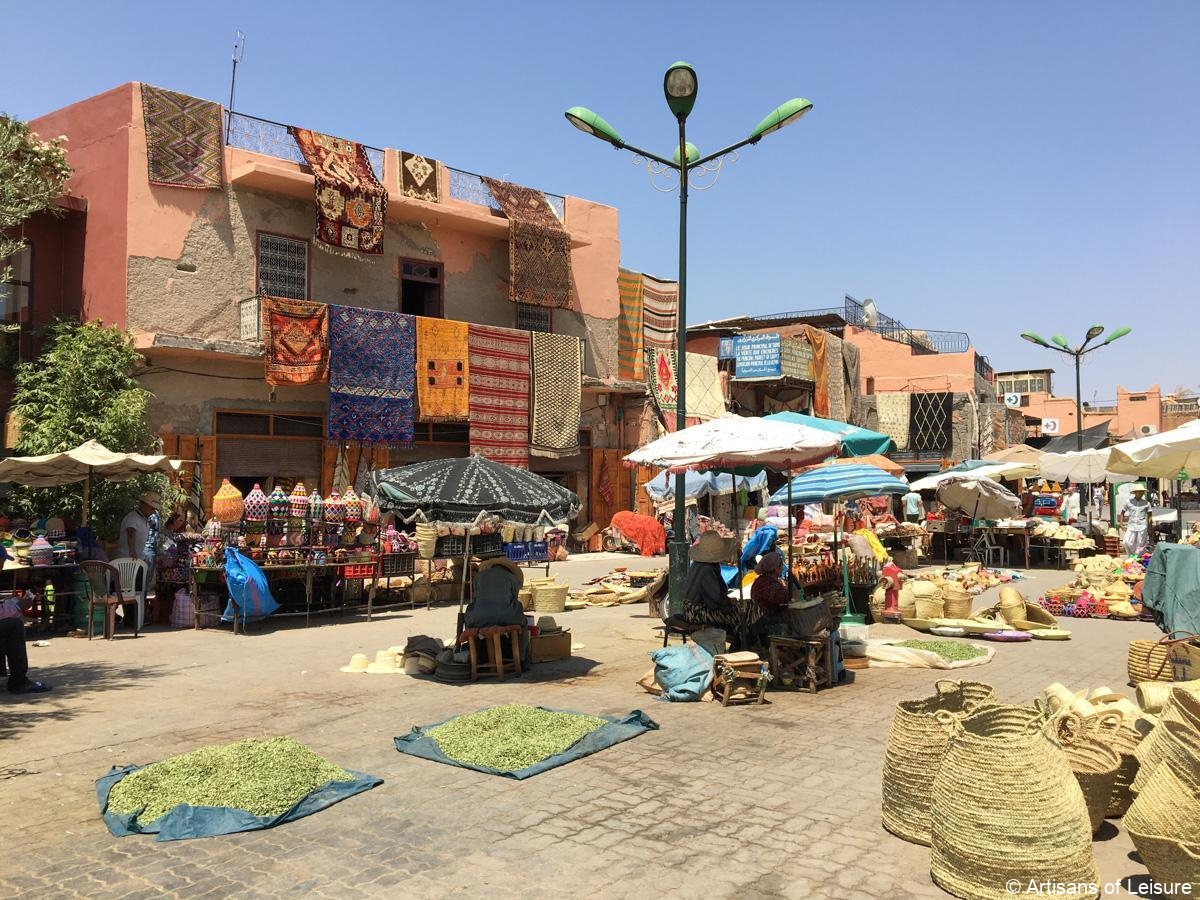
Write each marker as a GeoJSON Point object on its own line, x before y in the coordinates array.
{"type": "Point", "coordinates": [494, 600]}
{"type": "Point", "coordinates": [705, 596]}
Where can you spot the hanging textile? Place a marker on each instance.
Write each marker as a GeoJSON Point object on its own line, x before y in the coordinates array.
{"type": "Point", "coordinates": [442, 370]}
{"type": "Point", "coordinates": [295, 337]}
{"type": "Point", "coordinates": [893, 410]}
{"type": "Point", "coordinates": [557, 395]}
{"type": "Point", "coordinates": [930, 420]}
{"type": "Point", "coordinates": [660, 310]}
{"type": "Point", "coordinates": [419, 178]}
{"type": "Point", "coordinates": [836, 384]}
{"type": "Point", "coordinates": [539, 249]}
{"type": "Point", "coordinates": [816, 340]}
{"type": "Point", "coordinates": [703, 395]}
{"type": "Point", "coordinates": [853, 377]}
{"type": "Point", "coordinates": [661, 369]}
{"type": "Point", "coordinates": [605, 487]}
{"type": "Point", "coordinates": [183, 139]}
{"type": "Point", "coordinates": [630, 362]}
{"type": "Point", "coordinates": [499, 393]}
{"type": "Point", "coordinates": [351, 203]}
{"type": "Point", "coordinates": [372, 370]}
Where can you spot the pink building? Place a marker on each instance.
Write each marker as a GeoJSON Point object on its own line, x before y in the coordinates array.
{"type": "Point", "coordinates": [1133, 414]}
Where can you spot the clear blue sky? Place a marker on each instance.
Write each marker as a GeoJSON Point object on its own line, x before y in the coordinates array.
{"type": "Point", "coordinates": [978, 167]}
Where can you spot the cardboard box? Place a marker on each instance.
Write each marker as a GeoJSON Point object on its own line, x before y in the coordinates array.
{"type": "Point", "coordinates": [548, 647]}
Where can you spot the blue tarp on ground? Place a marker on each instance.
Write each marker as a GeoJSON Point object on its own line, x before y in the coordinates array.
{"type": "Point", "coordinates": [1172, 587]}
{"type": "Point", "coordinates": [418, 743]}
{"type": "Point", "coordinates": [186, 821]}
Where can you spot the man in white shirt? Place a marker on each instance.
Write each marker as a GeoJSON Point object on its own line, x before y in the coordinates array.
{"type": "Point", "coordinates": [135, 527]}
{"type": "Point", "coordinates": [914, 507]}
{"type": "Point", "coordinates": [1136, 516]}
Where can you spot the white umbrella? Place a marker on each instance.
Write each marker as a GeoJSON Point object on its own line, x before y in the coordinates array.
{"type": "Point", "coordinates": [1086, 467]}
{"type": "Point", "coordinates": [738, 441]}
{"type": "Point", "coordinates": [990, 471]}
{"type": "Point", "coordinates": [1159, 455]}
{"type": "Point", "coordinates": [978, 497]}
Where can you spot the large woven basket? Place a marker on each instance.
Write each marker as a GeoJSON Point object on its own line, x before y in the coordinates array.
{"type": "Point", "coordinates": [1006, 806]}
{"type": "Point", "coordinates": [915, 745]}
{"type": "Point", "coordinates": [1034, 613]}
{"type": "Point", "coordinates": [1149, 661]}
{"type": "Point", "coordinates": [550, 598]}
{"type": "Point", "coordinates": [957, 604]}
{"type": "Point", "coordinates": [1175, 744]}
{"type": "Point", "coordinates": [1152, 695]}
{"type": "Point", "coordinates": [930, 608]}
{"type": "Point", "coordinates": [1095, 765]}
{"type": "Point", "coordinates": [1169, 862]}
{"type": "Point", "coordinates": [1181, 710]}
{"type": "Point", "coordinates": [1107, 727]}
{"type": "Point", "coordinates": [1168, 805]}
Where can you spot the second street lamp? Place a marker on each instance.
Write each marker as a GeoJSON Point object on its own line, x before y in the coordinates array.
{"type": "Point", "coordinates": [680, 86]}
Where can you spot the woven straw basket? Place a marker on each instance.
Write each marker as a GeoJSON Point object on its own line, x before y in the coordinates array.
{"type": "Point", "coordinates": [1181, 710]}
{"type": "Point", "coordinates": [1034, 613]}
{"type": "Point", "coordinates": [915, 745]}
{"type": "Point", "coordinates": [1148, 661]}
{"type": "Point", "coordinates": [930, 608]}
{"type": "Point", "coordinates": [1007, 806]}
{"type": "Point", "coordinates": [1108, 728]}
{"type": "Point", "coordinates": [1095, 765]}
{"type": "Point", "coordinates": [1152, 695]}
{"type": "Point", "coordinates": [550, 598]}
{"type": "Point", "coordinates": [958, 602]}
{"type": "Point", "coordinates": [1169, 805]}
{"type": "Point", "coordinates": [1169, 861]}
{"type": "Point", "coordinates": [426, 540]}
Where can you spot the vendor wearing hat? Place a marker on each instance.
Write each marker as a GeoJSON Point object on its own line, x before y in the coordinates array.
{"type": "Point", "coordinates": [494, 600]}
{"type": "Point", "coordinates": [705, 596]}
{"type": "Point", "coordinates": [1135, 514]}
{"type": "Point", "coordinates": [139, 529]}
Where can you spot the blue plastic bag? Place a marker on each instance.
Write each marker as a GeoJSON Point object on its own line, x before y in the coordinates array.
{"type": "Point", "coordinates": [249, 595]}
{"type": "Point", "coordinates": [683, 672]}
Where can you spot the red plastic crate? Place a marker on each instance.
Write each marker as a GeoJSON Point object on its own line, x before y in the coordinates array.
{"type": "Point", "coordinates": [359, 570]}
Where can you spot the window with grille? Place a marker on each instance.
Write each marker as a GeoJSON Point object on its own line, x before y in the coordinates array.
{"type": "Point", "coordinates": [533, 318]}
{"type": "Point", "coordinates": [282, 266]}
{"type": "Point", "coordinates": [15, 290]}
{"type": "Point", "coordinates": [421, 288]}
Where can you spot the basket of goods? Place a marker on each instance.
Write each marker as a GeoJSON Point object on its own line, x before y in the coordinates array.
{"type": "Point", "coordinates": [916, 743]}
{"type": "Point", "coordinates": [550, 598]}
{"type": "Point", "coordinates": [928, 600]}
{"type": "Point", "coordinates": [1149, 661]}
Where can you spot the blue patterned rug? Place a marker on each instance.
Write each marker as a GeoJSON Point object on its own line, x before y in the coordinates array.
{"type": "Point", "coordinates": [372, 376]}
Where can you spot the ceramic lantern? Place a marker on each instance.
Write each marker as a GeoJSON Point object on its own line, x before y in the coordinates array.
{"type": "Point", "coordinates": [335, 507]}
{"type": "Point", "coordinates": [228, 505]}
{"type": "Point", "coordinates": [354, 506]}
{"type": "Point", "coordinates": [316, 506]}
{"type": "Point", "coordinates": [298, 502]}
{"type": "Point", "coordinates": [278, 503]}
{"type": "Point", "coordinates": [258, 508]}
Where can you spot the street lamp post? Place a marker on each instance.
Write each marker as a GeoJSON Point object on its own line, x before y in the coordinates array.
{"type": "Point", "coordinates": [1059, 343]}
{"type": "Point", "coordinates": [680, 86]}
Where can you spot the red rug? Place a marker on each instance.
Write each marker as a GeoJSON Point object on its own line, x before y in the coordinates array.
{"type": "Point", "coordinates": [498, 392]}
{"type": "Point", "coordinates": [295, 341]}
{"type": "Point", "coordinates": [351, 203]}
{"type": "Point", "coordinates": [539, 248]}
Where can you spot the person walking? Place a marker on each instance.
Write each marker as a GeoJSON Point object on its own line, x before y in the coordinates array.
{"type": "Point", "coordinates": [914, 507]}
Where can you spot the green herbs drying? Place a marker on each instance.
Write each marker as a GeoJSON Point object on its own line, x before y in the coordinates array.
{"type": "Point", "coordinates": [511, 737]}
{"type": "Point", "coordinates": [951, 651]}
{"type": "Point", "coordinates": [264, 777]}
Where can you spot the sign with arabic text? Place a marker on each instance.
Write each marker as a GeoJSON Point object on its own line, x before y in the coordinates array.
{"type": "Point", "coordinates": [757, 356]}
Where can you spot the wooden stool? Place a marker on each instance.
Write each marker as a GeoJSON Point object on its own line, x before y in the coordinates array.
{"type": "Point", "coordinates": [495, 664]}
{"type": "Point", "coordinates": [800, 661]}
{"type": "Point", "coordinates": [739, 678]}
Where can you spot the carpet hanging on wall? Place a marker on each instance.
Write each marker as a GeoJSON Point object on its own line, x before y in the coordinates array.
{"type": "Point", "coordinates": [351, 203]}
{"type": "Point", "coordinates": [892, 408]}
{"type": "Point", "coordinates": [660, 311]}
{"type": "Point", "coordinates": [183, 139]}
{"type": "Point", "coordinates": [498, 388]}
{"type": "Point", "coordinates": [372, 365]}
{"type": "Point", "coordinates": [539, 249]}
{"type": "Point", "coordinates": [661, 371]}
{"type": "Point", "coordinates": [419, 177]}
{"type": "Point", "coordinates": [930, 420]}
{"type": "Point", "coordinates": [704, 398]}
{"type": "Point", "coordinates": [442, 370]}
{"type": "Point", "coordinates": [631, 365]}
{"type": "Point", "coordinates": [557, 394]}
{"type": "Point", "coordinates": [295, 341]}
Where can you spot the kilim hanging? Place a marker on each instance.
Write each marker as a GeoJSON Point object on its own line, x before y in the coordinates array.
{"type": "Point", "coordinates": [661, 370]}
{"type": "Point", "coordinates": [660, 309]}
{"type": "Point", "coordinates": [351, 203]}
{"type": "Point", "coordinates": [893, 410]}
{"type": "Point", "coordinates": [183, 139]}
{"type": "Point", "coordinates": [442, 370]}
{"type": "Point", "coordinates": [630, 362]}
{"type": "Point", "coordinates": [539, 249]}
{"type": "Point", "coordinates": [557, 388]}
{"type": "Point", "coordinates": [371, 376]}
{"type": "Point", "coordinates": [704, 398]}
{"type": "Point", "coordinates": [295, 336]}
{"type": "Point", "coordinates": [930, 421]}
{"type": "Point", "coordinates": [499, 393]}
{"type": "Point", "coordinates": [419, 178]}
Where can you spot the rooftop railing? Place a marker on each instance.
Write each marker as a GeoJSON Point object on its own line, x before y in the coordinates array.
{"type": "Point", "coordinates": [854, 313]}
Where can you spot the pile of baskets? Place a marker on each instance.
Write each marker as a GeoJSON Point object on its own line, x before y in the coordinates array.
{"type": "Point", "coordinates": [544, 595]}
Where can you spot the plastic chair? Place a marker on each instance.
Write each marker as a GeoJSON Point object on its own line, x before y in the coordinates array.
{"type": "Point", "coordinates": [135, 578]}
{"type": "Point", "coordinates": [104, 590]}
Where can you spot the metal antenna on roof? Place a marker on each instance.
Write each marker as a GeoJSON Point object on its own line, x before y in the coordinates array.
{"type": "Point", "coordinates": [239, 47]}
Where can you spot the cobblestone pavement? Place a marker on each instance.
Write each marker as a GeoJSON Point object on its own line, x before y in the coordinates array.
{"type": "Point", "coordinates": [774, 801]}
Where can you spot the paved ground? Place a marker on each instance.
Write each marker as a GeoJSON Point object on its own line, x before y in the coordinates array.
{"type": "Point", "coordinates": [773, 801]}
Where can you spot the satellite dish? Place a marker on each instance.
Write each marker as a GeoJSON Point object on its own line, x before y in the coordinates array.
{"type": "Point", "coordinates": [870, 313]}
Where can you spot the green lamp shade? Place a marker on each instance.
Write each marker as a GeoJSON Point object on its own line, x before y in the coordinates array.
{"type": "Point", "coordinates": [1035, 339]}
{"type": "Point", "coordinates": [693, 154]}
{"type": "Point", "coordinates": [680, 86]}
{"type": "Point", "coordinates": [587, 121]}
{"type": "Point", "coordinates": [1117, 333]}
{"type": "Point", "coordinates": [1061, 341]}
{"type": "Point", "coordinates": [782, 115]}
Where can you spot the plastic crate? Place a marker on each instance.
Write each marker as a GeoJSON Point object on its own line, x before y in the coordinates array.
{"type": "Point", "coordinates": [517, 551]}
{"type": "Point", "coordinates": [538, 551]}
{"type": "Point", "coordinates": [393, 565]}
{"type": "Point", "coordinates": [485, 544]}
{"type": "Point", "coordinates": [359, 570]}
{"type": "Point", "coordinates": [450, 546]}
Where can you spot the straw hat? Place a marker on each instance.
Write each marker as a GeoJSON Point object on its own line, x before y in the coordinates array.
{"type": "Point", "coordinates": [1137, 486]}
{"type": "Point", "coordinates": [506, 563]}
{"type": "Point", "coordinates": [547, 625]}
{"type": "Point", "coordinates": [358, 663]}
{"type": "Point", "coordinates": [385, 664]}
{"type": "Point", "coordinates": [150, 498]}
{"type": "Point", "coordinates": [711, 548]}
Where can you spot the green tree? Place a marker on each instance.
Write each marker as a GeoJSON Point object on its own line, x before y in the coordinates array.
{"type": "Point", "coordinates": [33, 174]}
{"type": "Point", "coordinates": [83, 387]}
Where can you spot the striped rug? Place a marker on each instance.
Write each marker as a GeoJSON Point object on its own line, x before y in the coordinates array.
{"type": "Point", "coordinates": [660, 307]}
{"type": "Point", "coordinates": [498, 393]}
{"type": "Point", "coordinates": [630, 362]}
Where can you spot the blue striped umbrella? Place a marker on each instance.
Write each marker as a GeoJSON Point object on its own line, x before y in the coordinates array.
{"type": "Point", "coordinates": [849, 482]}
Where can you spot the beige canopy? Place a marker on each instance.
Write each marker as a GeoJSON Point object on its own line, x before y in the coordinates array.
{"type": "Point", "coordinates": [1019, 453]}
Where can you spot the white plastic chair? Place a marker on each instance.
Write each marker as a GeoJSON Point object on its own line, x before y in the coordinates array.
{"type": "Point", "coordinates": [135, 577]}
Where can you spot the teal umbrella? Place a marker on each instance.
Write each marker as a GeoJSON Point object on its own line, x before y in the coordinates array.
{"type": "Point", "coordinates": [855, 441]}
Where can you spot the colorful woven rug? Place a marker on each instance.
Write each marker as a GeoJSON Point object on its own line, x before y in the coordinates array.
{"type": "Point", "coordinates": [892, 408]}
{"type": "Point", "coordinates": [499, 393]}
{"type": "Point", "coordinates": [372, 363]}
{"type": "Point", "coordinates": [930, 420]}
{"type": "Point", "coordinates": [631, 364]}
{"type": "Point", "coordinates": [351, 203]}
{"type": "Point", "coordinates": [660, 377]}
{"type": "Point", "coordinates": [442, 370]}
{"type": "Point", "coordinates": [557, 390]}
{"type": "Point", "coordinates": [295, 341]}
{"type": "Point", "coordinates": [183, 139]}
{"type": "Point", "coordinates": [660, 307]}
{"type": "Point", "coordinates": [539, 249]}
{"type": "Point", "coordinates": [419, 178]}
{"type": "Point", "coordinates": [703, 396]}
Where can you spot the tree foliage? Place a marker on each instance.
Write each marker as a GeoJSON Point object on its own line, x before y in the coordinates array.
{"type": "Point", "coordinates": [83, 387]}
{"type": "Point", "coordinates": [33, 174]}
